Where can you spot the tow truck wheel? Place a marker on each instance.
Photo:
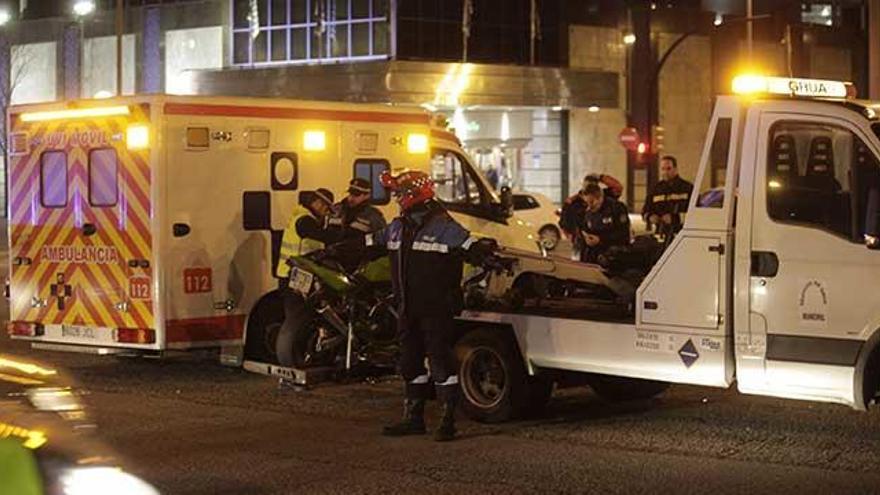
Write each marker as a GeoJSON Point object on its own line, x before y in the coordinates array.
{"type": "Point", "coordinates": [263, 324]}
{"type": "Point", "coordinates": [494, 383]}
{"type": "Point", "coordinates": [620, 389]}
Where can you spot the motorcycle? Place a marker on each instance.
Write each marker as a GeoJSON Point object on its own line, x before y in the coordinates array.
{"type": "Point", "coordinates": [344, 317]}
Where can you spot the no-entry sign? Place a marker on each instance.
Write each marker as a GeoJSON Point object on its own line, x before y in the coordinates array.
{"type": "Point", "coordinates": [629, 138]}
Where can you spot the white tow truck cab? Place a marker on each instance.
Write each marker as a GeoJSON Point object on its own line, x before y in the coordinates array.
{"type": "Point", "coordinates": [772, 285]}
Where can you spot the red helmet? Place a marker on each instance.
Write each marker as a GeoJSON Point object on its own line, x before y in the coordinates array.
{"type": "Point", "coordinates": [410, 188]}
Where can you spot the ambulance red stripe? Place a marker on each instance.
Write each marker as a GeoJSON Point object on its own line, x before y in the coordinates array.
{"type": "Point", "coordinates": [293, 113]}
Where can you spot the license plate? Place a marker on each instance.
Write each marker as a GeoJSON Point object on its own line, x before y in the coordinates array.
{"type": "Point", "coordinates": [78, 332]}
{"type": "Point", "coordinates": [301, 281]}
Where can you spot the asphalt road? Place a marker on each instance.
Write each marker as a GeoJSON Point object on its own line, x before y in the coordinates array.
{"type": "Point", "coordinates": [193, 427]}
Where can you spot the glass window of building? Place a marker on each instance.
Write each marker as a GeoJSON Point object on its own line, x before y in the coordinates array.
{"type": "Point", "coordinates": [300, 31]}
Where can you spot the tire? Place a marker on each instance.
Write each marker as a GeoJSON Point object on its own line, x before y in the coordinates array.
{"type": "Point", "coordinates": [620, 389]}
{"type": "Point", "coordinates": [495, 385]}
{"type": "Point", "coordinates": [550, 236]}
{"type": "Point", "coordinates": [296, 341]}
{"type": "Point", "coordinates": [263, 324]}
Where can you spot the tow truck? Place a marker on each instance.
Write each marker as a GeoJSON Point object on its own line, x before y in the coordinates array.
{"type": "Point", "coordinates": [770, 285]}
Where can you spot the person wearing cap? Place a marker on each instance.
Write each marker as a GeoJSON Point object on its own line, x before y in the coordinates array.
{"type": "Point", "coordinates": [307, 229]}
{"type": "Point", "coordinates": [427, 249]}
{"type": "Point", "coordinates": [354, 215]}
{"type": "Point", "coordinates": [306, 232]}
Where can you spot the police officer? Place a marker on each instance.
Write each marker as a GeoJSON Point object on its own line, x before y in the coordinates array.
{"type": "Point", "coordinates": [427, 250]}
{"type": "Point", "coordinates": [668, 199]}
{"type": "Point", "coordinates": [306, 232]}
{"type": "Point", "coordinates": [354, 215]}
{"type": "Point", "coordinates": [605, 224]}
{"type": "Point", "coordinates": [573, 209]}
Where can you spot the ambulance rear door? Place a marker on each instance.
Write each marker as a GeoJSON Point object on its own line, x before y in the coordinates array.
{"type": "Point", "coordinates": [80, 212]}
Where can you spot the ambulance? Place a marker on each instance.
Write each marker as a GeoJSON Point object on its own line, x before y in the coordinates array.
{"type": "Point", "coordinates": [151, 223]}
{"type": "Point", "coordinates": [773, 284]}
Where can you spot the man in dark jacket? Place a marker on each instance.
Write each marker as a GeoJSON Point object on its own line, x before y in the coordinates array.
{"type": "Point", "coordinates": [427, 248]}
{"type": "Point", "coordinates": [606, 223]}
{"type": "Point", "coordinates": [354, 215]}
{"type": "Point", "coordinates": [668, 199]}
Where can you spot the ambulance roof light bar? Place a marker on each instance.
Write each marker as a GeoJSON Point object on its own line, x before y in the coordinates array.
{"type": "Point", "coordinates": [756, 85]}
{"type": "Point", "coordinates": [74, 113]}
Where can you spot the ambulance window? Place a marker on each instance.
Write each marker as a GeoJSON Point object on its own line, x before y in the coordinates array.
{"type": "Point", "coordinates": [257, 139]}
{"type": "Point", "coordinates": [103, 177]}
{"type": "Point", "coordinates": [284, 171]}
{"type": "Point", "coordinates": [454, 186]}
{"type": "Point", "coordinates": [371, 169]}
{"type": "Point", "coordinates": [197, 138]}
{"type": "Point", "coordinates": [712, 187]}
{"type": "Point", "coordinates": [53, 179]}
{"type": "Point", "coordinates": [822, 176]}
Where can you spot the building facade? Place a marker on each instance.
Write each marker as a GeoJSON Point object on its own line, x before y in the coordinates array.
{"type": "Point", "coordinates": [537, 90]}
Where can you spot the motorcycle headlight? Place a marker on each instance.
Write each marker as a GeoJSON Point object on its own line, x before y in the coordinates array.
{"type": "Point", "coordinates": [103, 481]}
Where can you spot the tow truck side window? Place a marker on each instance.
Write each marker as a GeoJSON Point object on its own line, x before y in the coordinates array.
{"type": "Point", "coordinates": [712, 187]}
{"type": "Point", "coordinates": [53, 179]}
{"type": "Point", "coordinates": [454, 186]}
{"type": "Point", "coordinates": [103, 177]}
{"type": "Point", "coordinates": [820, 175]}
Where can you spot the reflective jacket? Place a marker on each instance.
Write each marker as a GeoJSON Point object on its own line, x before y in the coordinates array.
{"type": "Point", "coordinates": [427, 248]}
{"type": "Point", "coordinates": [302, 235]}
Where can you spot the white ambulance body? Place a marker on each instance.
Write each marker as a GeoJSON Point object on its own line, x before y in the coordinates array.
{"type": "Point", "coordinates": [152, 223]}
{"type": "Point", "coordinates": [770, 285]}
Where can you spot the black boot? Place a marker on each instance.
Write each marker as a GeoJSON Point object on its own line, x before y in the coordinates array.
{"type": "Point", "coordinates": [413, 422]}
{"type": "Point", "coordinates": [446, 431]}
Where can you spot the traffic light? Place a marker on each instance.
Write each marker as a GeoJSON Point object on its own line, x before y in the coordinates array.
{"type": "Point", "coordinates": [657, 138]}
{"type": "Point", "coordinates": [642, 148]}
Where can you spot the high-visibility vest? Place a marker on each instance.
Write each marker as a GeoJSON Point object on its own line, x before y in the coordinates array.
{"type": "Point", "coordinates": [294, 245]}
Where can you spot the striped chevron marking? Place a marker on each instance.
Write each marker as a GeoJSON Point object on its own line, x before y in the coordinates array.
{"type": "Point", "coordinates": [94, 267]}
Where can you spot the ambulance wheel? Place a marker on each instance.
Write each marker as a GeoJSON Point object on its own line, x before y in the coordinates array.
{"type": "Point", "coordinates": [494, 383]}
{"type": "Point", "coordinates": [549, 235]}
{"type": "Point", "coordinates": [620, 389]}
{"type": "Point", "coordinates": [263, 324]}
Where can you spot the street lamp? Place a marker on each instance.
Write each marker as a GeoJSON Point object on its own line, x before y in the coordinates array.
{"type": "Point", "coordinates": [83, 8]}
{"type": "Point", "coordinates": [629, 38]}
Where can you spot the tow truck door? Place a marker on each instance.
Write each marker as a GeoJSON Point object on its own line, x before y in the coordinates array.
{"type": "Point", "coordinates": [809, 302]}
{"type": "Point", "coordinates": [682, 306]}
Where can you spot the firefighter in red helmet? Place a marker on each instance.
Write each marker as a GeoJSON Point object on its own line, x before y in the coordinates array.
{"type": "Point", "coordinates": [427, 248]}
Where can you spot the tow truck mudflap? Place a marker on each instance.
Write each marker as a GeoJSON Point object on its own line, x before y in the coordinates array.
{"type": "Point", "coordinates": [301, 377]}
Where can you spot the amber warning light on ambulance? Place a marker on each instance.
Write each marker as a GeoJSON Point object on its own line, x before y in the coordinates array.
{"type": "Point", "coordinates": [756, 85]}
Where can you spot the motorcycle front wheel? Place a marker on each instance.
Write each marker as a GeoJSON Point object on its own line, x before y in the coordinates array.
{"type": "Point", "coordinates": [299, 340]}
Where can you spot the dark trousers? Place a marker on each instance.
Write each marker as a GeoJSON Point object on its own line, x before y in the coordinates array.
{"type": "Point", "coordinates": [432, 337]}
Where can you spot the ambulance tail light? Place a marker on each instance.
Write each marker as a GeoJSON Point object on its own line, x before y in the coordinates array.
{"type": "Point", "coordinates": [25, 329]}
{"type": "Point", "coordinates": [135, 336]}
